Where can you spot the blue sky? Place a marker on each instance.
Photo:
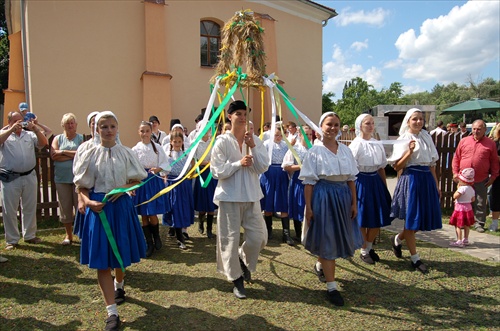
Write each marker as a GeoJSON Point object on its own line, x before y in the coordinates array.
{"type": "Point", "coordinates": [417, 43]}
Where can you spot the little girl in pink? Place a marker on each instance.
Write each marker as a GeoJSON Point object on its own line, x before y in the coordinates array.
{"type": "Point", "coordinates": [463, 215]}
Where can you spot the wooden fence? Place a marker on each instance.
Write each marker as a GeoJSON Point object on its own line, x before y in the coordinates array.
{"type": "Point", "coordinates": [445, 145]}
{"type": "Point", "coordinates": [47, 207]}
{"type": "Point", "coordinates": [47, 204]}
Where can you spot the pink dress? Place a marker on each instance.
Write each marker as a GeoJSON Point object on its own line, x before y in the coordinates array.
{"type": "Point", "coordinates": [463, 215]}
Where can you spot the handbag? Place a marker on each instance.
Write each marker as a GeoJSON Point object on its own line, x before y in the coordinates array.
{"type": "Point", "coordinates": [7, 176]}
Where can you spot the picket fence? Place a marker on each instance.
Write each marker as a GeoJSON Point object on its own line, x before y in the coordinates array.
{"type": "Point", "coordinates": [47, 206]}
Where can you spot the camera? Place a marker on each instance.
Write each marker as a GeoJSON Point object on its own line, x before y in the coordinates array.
{"type": "Point", "coordinates": [24, 125]}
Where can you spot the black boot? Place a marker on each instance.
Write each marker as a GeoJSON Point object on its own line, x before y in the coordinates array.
{"type": "Point", "coordinates": [285, 222]}
{"type": "Point", "coordinates": [210, 221]}
{"type": "Point", "coordinates": [269, 226]}
{"type": "Point", "coordinates": [180, 238]}
{"type": "Point", "coordinates": [155, 230]}
{"type": "Point", "coordinates": [239, 288]}
{"type": "Point", "coordinates": [149, 240]}
{"type": "Point", "coordinates": [201, 218]}
{"type": "Point", "coordinates": [298, 230]}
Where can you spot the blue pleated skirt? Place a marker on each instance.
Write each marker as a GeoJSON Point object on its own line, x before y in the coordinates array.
{"type": "Point", "coordinates": [416, 200]}
{"type": "Point", "coordinates": [332, 234]}
{"type": "Point", "coordinates": [95, 249]}
{"type": "Point", "coordinates": [203, 197]}
{"type": "Point", "coordinates": [296, 200]}
{"type": "Point", "coordinates": [374, 201]}
{"type": "Point", "coordinates": [181, 214]}
{"type": "Point", "coordinates": [147, 191]}
{"type": "Point", "coordinates": [275, 188]}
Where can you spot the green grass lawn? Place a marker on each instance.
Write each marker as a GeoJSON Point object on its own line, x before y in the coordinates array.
{"type": "Point", "coordinates": [43, 287]}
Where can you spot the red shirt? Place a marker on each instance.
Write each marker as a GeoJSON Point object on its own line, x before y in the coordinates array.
{"type": "Point", "coordinates": [479, 155]}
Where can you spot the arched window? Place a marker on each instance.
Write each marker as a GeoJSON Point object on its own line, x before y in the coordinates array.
{"type": "Point", "coordinates": [209, 43]}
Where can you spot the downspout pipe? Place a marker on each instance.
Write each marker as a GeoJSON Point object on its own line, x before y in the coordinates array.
{"type": "Point", "coordinates": [25, 52]}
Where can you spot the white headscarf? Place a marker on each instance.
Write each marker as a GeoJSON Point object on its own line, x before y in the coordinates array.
{"type": "Point", "coordinates": [89, 117]}
{"type": "Point", "coordinates": [325, 115]}
{"type": "Point", "coordinates": [322, 118]}
{"type": "Point", "coordinates": [424, 152]}
{"type": "Point", "coordinates": [404, 125]}
{"type": "Point", "coordinates": [357, 124]}
{"type": "Point", "coordinates": [176, 126]}
{"type": "Point", "coordinates": [97, 137]}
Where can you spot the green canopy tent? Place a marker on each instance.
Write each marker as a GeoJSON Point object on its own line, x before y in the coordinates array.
{"type": "Point", "coordinates": [472, 106]}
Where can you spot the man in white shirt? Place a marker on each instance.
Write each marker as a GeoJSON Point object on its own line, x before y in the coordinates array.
{"type": "Point", "coordinates": [238, 195]}
{"type": "Point", "coordinates": [293, 133]}
{"type": "Point", "coordinates": [439, 129]}
{"type": "Point", "coordinates": [19, 181]}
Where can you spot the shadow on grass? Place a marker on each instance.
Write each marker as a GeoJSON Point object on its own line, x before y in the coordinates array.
{"type": "Point", "coordinates": [181, 318]}
{"type": "Point", "coordinates": [30, 323]}
{"type": "Point", "coordinates": [25, 294]}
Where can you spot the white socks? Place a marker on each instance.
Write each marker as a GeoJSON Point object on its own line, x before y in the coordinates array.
{"type": "Point", "coordinates": [112, 309]}
{"type": "Point", "coordinates": [331, 286]}
{"type": "Point", "coordinates": [319, 266]}
{"type": "Point", "coordinates": [118, 285]}
{"type": "Point", "coordinates": [415, 258]}
{"type": "Point", "coordinates": [369, 246]}
{"type": "Point", "coordinates": [397, 241]}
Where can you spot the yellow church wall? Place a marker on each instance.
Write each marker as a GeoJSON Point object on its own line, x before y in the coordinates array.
{"type": "Point", "coordinates": [97, 55]}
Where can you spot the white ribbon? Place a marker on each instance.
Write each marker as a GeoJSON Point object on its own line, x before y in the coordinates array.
{"type": "Point", "coordinates": [202, 127]}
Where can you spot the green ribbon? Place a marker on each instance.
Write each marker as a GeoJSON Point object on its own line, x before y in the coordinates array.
{"type": "Point", "coordinates": [288, 103]}
{"type": "Point", "coordinates": [217, 113]}
{"type": "Point", "coordinates": [105, 222]}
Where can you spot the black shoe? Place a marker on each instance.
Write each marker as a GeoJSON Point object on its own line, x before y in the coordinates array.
{"type": "Point", "coordinates": [420, 267]}
{"type": "Point", "coordinates": [335, 297]}
{"type": "Point", "coordinates": [366, 258]}
{"type": "Point", "coordinates": [396, 249]}
{"type": "Point", "coordinates": [171, 232]}
{"type": "Point", "coordinates": [119, 296]}
{"type": "Point", "coordinates": [149, 250]}
{"type": "Point", "coordinates": [155, 230]}
{"type": "Point", "coordinates": [320, 274]}
{"type": "Point", "coordinates": [287, 239]}
{"type": "Point", "coordinates": [112, 323]}
{"type": "Point", "coordinates": [149, 240]}
{"type": "Point", "coordinates": [247, 275]}
{"type": "Point", "coordinates": [185, 235]}
{"type": "Point", "coordinates": [201, 227]}
{"type": "Point", "coordinates": [210, 235]}
{"type": "Point", "coordinates": [374, 255]}
{"type": "Point", "coordinates": [181, 245]}
{"type": "Point", "coordinates": [239, 288]}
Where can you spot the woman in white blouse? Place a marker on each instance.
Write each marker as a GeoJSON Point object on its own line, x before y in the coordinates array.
{"type": "Point", "coordinates": [98, 171]}
{"type": "Point", "coordinates": [154, 161]}
{"type": "Point", "coordinates": [328, 173]}
{"type": "Point", "coordinates": [374, 200]}
{"type": "Point", "coordinates": [296, 201]}
{"type": "Point", "coordinates": [274, 183]}
{"type": "Point", "coordinates": [416, 197]}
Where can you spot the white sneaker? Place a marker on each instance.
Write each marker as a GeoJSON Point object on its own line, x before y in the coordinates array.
{"type": "Point", "coordinates": [3, 259]}
{"type": "Point", "coordinates": [494, 226]}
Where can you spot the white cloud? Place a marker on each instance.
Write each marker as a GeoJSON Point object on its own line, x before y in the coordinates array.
{"type": "Point", "coordinates": [338, 71]}
{"type": "Point", "coordinates": [410, 89]}
{"type": "Point", "coordinates": [452, 46]}
{"type": "Point", "coordinates": [375, 17]}
{"type": "Point", "coordinates": [360, 45]}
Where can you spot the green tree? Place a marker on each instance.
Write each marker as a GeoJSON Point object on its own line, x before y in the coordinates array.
{"type": "Point", "coordinates": [327, 103]}
{"type": "Point", "coordinates": [357, 97]}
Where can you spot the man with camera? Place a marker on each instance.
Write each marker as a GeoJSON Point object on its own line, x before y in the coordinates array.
{"type": "Point", "coordinates": [19, 181]}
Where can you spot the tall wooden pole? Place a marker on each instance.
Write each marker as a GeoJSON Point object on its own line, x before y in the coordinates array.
{"type": "Point", "coordinates": [248, 115]}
